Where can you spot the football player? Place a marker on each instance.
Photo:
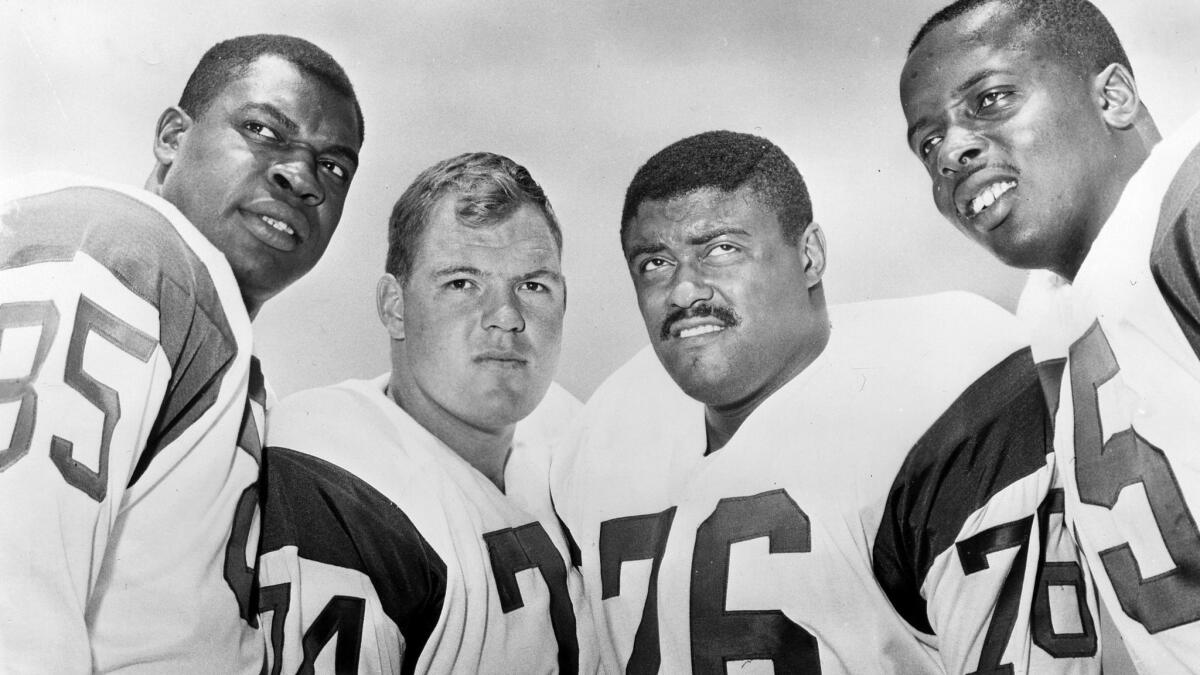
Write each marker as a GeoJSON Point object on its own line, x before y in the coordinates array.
{"type": "Point", "coordinates": [131, 406]}
{"type": "Point", "coordinates": [407, 519]}
{"type": "Point", "coordinates": [1027, 117]}
{"type": "Point", "coordinates": [856, 489]}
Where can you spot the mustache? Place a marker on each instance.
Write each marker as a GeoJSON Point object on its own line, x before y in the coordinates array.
{"type": "Point", "coordinates": [723, 314]}
{"type": "Point", "coordinates": [990, 165]}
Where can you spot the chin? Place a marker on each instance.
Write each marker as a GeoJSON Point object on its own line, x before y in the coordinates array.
{"type": "Point", "coordinates": [1022, 252]}
{"type": "Point", "coordinates": [503, 409]}
{"type": "Point", "coordinates": [708, 388]}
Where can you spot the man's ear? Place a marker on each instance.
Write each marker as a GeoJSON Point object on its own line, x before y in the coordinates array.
{"type": "Point", "coordinates": [389, 302]}
{"type": "Point", "coordinates": [1116, 91]}
{"type": "Point", "coordinates": [812, 246]}
{"type": "Point", "coordinates": [173, 124]}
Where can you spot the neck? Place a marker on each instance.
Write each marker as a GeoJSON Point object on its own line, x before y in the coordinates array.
{"type": "Point", "coordinates": [153, 185]}
{"type": "Point", "coordinates": [1136, 143]}
{"type": "Point", "coordinates": [485, 449]}
{"type": "Point", "coordinates": [721, 421]}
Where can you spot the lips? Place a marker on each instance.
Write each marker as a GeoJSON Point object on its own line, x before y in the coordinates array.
{"type": "Point", "coordinates": [697, 322]}
{"type": "Point", "coordinates": [983, 197]}
{"type": "Point", "coordinates": [276, 225]}
{"type": "Point", "coordinates": [501, 357]}
{"type": "Point", "coordinates": [689, 328]}
{"type": "Point", "coordinates": [986, 197]}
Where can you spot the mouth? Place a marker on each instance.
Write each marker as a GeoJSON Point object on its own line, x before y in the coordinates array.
{"type": "Point", "coordinates": [695, 328]}
{"type": "Point", "coordinates": [986, 197]}
{"type": "Point", "coordinates": [279, 225]}
{"type": "Point", "coordinates": [697, 322]}
{"type": "Point", "coordinates": [501, 358]}
{"type": "Point", "coordinates": [276, 225]}
{"type": "Point", "coordinates": [697, 331]}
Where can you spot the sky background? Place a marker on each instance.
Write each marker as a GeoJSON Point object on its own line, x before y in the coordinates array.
{"type": "Point", "coordinates": [581, 93]}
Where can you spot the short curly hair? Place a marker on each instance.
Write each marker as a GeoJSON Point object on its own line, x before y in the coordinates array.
{"type": "Point", "coordinates": [1075, 29]}
{"type": "Point", "coordinates": [229, 60]}
{"type": "Point", "coordinates": [725, 161]}
{"type": "Point", "coordinates": [487, 187]}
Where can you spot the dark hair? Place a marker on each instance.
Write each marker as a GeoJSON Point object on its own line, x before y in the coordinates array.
{"type": "Point", "coordinates": [1075, 29]}
{"type": "Point", "coordinates": [487, 188]}
{"type": "Point", "coordinates": [229, 60]}
{"type": "Point", "coordinates": [726, 161]}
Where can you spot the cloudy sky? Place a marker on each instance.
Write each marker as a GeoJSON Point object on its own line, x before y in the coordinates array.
{"type": "Point", "coordinates": [581, 93]}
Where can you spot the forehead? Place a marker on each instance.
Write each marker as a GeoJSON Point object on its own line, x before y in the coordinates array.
{"type": "Point", "coordinates": [988, 38]}
{"type": "Point", "coordinates": [699, 212]}
{"type": "Point", "coordinates": [521, 240]}
{"type": "Point", "coordinates": [314, 105]}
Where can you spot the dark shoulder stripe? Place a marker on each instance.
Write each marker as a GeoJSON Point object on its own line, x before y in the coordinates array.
{"type": "Point", "coordinates": [132, 239]}
{"type": "Point", "coordinates": [996, 433]}
{"type": "Point", "coordinates": [145, 253]}
{"type": "Point", "coordinates": [336, 518]}
{"type": "Point", "coordinates": [1175, 256]}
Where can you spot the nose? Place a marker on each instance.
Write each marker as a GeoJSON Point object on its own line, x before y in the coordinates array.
{"type": "Point", "coordinates": [690, 286]}
{"type": "Point", "coordinates": [503, 313]}
{"type": "Point", "coordinates": [959, 148]}
{"type": "Point", "coordinates": [296, 174]}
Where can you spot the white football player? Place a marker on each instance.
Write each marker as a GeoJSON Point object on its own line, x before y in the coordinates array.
{"type": "Point", "coordinates": [131, 406]}
{"type": "Point", "coordinates": [1028, 119]}
{"type": "Point", "coordinates": [860, 490]}
{"type": "Point", "coordinates": [407, 523]}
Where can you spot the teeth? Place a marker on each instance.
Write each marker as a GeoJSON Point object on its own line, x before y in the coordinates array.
{"type": "Point", "coordinates": [700, 330]}
{"type": "Point", "coordinates": [989, 196]}
{"type": "Point", "coordinates": [278, 224]}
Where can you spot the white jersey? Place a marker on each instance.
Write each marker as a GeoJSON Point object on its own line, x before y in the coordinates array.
{"type": "Point", "coordinates": [877, 514]}
{"type": "Point", "coordinates": [1127, 423]}
{"type": "Point", "coordinates": [386, 552]}
{"type": "Point", "coordinates": [127, 508]}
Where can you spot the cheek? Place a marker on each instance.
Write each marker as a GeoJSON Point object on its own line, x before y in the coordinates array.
{"type": "Point", "coordinates": [943, 197]}
{"type": "Point", "coordinates": [331, 211]}
{"type": "Point", "coordinates": [548, 320]}
{"type": "Point", "coordinates": [438, 338]}
{"type": "Point", "coordinates": [651, 304]}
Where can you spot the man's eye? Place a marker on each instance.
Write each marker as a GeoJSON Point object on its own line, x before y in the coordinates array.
{"type": "Point", "coordinates": [992, 97]}
{"type": "Point", "coordinates": [533, 287]}
{"type": "Point", "coordinates": [460, 284]}
{"type": "Point", "coordinates": [261, 130]}
{"type": "Point", "coordinates": [334, 168]}
{"type": "Point", "coordinates": [722, 249]}
{"type": "Point", "coordinates": [929, 145]}
{"type": "Point", "coordinates": [652, 264]}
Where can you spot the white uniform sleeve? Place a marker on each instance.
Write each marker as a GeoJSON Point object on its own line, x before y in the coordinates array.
{"type": "Point", "coordinates": [82, 376]}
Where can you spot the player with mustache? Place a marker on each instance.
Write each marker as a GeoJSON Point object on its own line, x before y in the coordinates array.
{"type": "Point", "coordinates": [778, 483]}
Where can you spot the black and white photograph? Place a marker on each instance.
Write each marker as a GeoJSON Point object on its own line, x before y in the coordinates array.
{"type": "Point", "coordinates": [791, 336]}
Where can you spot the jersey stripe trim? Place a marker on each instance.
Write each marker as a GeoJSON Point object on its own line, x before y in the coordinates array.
{"type": "Point", "coordinates": [995, 434]}
{"type": "Point", "coordinates": [142, 250]}
{"type": "Point", "coordinates": [334, 517]}
{"type": "Point", "coordinates": [1174, 256]}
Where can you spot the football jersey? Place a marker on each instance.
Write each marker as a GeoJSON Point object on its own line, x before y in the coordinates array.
{"type": "Point", "coordinates": [1127, 424]}
{"type": "Point", "coordinates": [879, 513]}
{"type": "Point", "coordinates": [128, 444]}
{"type": "Point", "coordinates": [386, 552]}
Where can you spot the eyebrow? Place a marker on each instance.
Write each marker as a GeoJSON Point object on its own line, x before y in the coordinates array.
{"type": "Point", "coordinates": [542, 272]}
{"type": "Point", "coordinates": [475, 271]}
{"type": "Point", "coordinates": [694, 240]}
{"type": "Point", "coordinates": [958, 91]}
{"type": "Point", "coordinates": [705, 237]}
{"type": "Point", "coordinates": [642, 249]}
{"type": "Point", "coordinates": [281, 118]}
{"type": "Point", "coordinates": [458, 269]}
